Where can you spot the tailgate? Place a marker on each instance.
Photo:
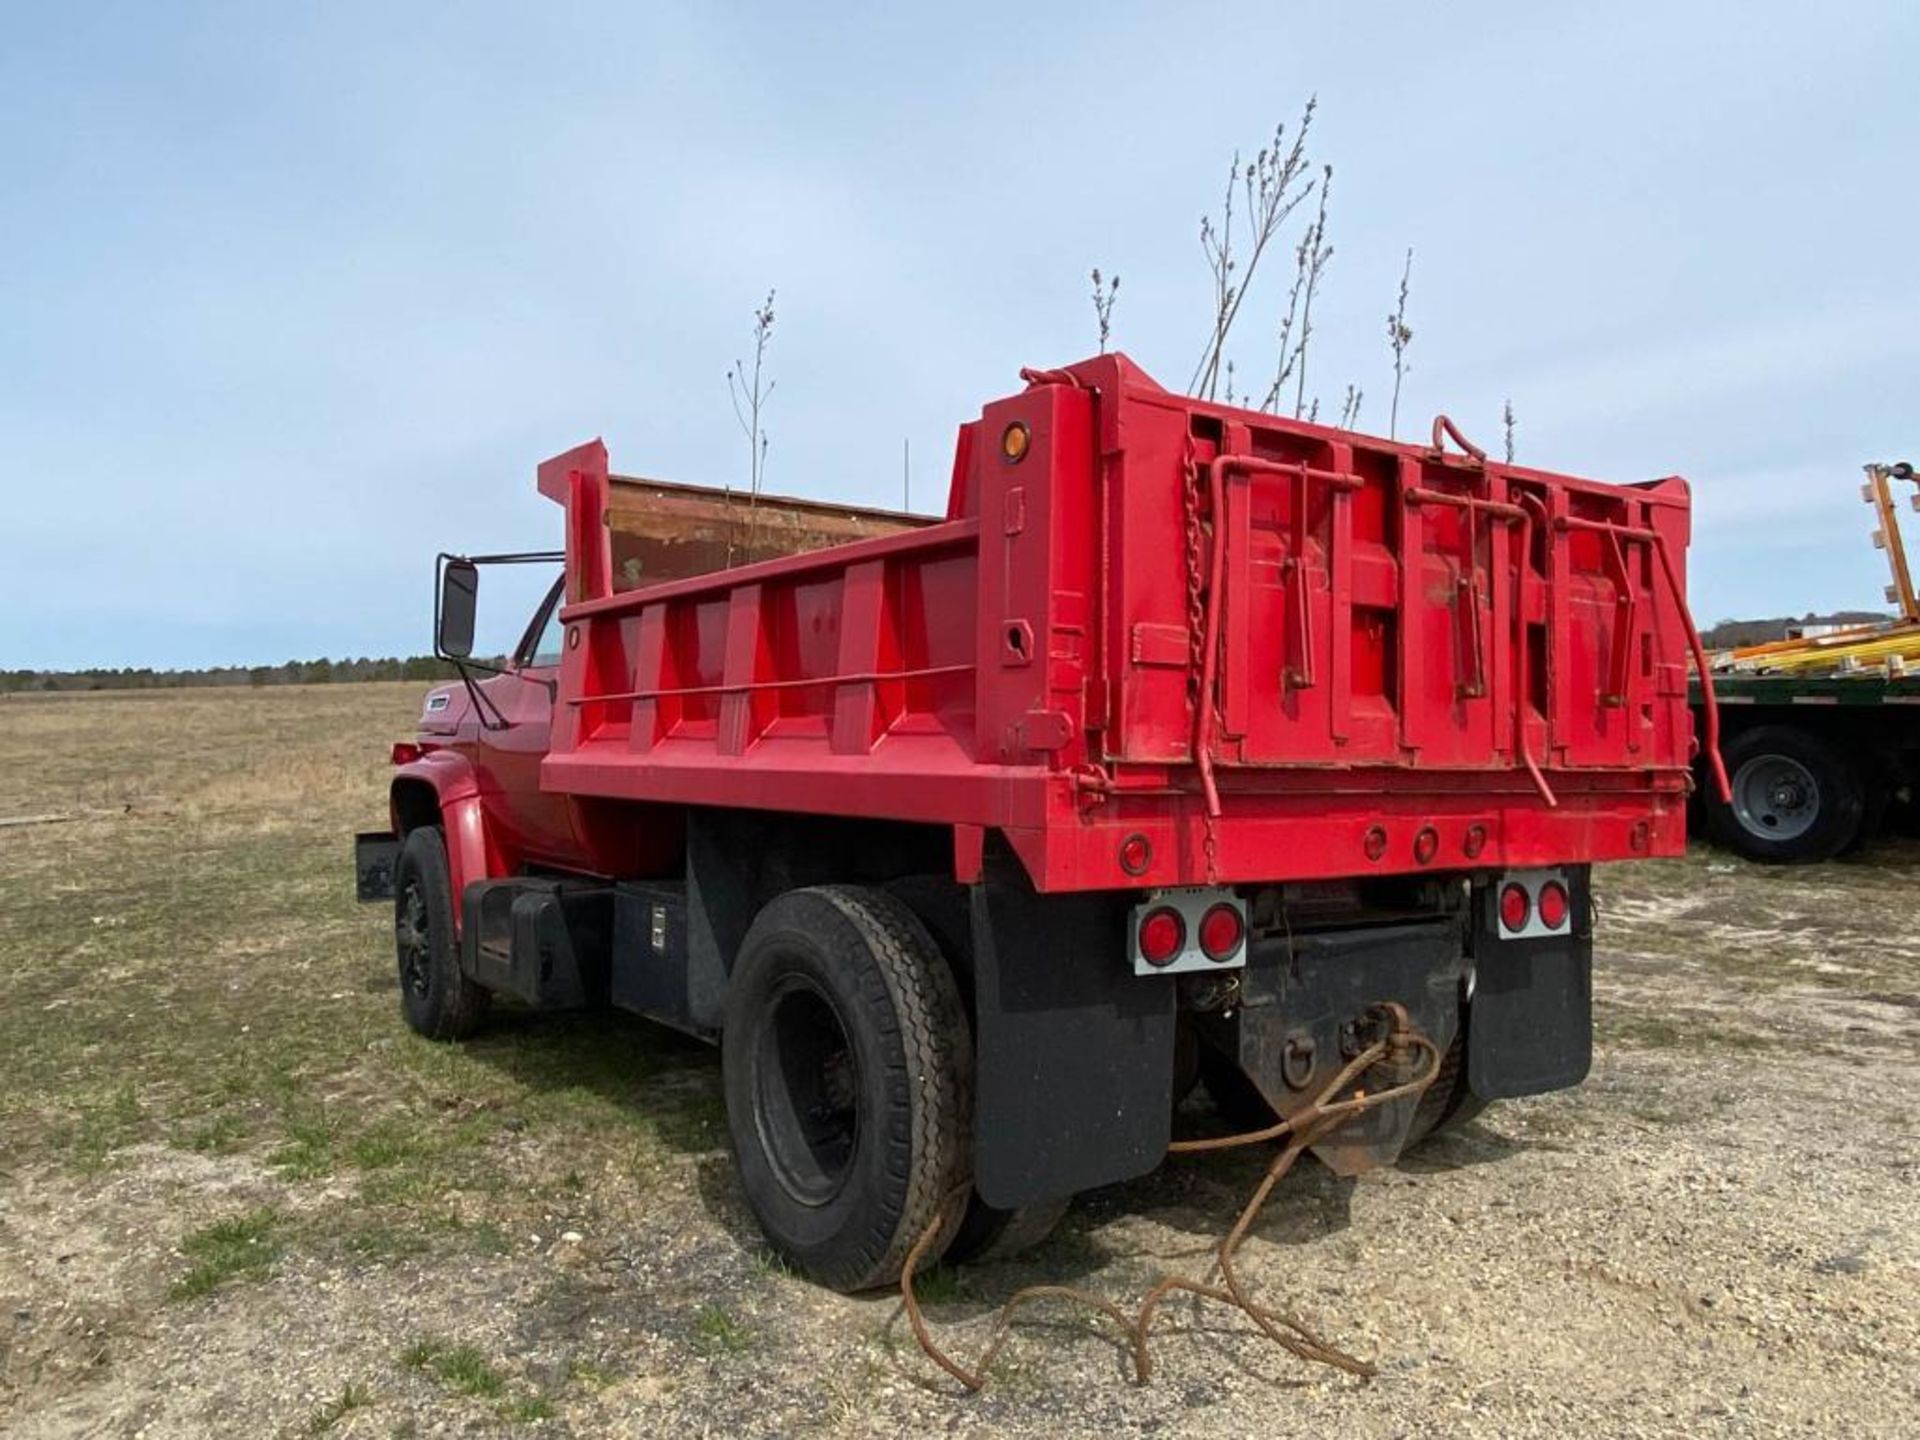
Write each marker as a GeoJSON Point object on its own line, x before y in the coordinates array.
{"type": "Point", "coordinates": [1362, 603]}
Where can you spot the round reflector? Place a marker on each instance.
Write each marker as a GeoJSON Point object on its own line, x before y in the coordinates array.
{"type": "Point", "coordinates": [1221, 932]}
{"type": "Point", "coordinates": [1553, 904]}
{"type": "Point", "coordinates": [1136, 854]}
{"type": "Point", "coordinates": [1515, 907]}
{"type": "Point", "coordinates": [1014, 441]}
{"type": "Point", "coordinates": [1426, 845]}
{"type": "Point", "coordinates": [1162, 936]}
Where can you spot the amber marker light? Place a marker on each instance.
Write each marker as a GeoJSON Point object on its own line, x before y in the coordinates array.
{"type": "Point", "coordinates": [1014, 441]}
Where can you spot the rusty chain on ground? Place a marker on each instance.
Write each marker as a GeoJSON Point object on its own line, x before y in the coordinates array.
{"type": "Point", "coordinates": [1409, 1061]}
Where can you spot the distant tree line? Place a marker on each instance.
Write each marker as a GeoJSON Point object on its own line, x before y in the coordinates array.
{"type": "Point", "coordinates": [1728, 634]}
{"type": "Point", "coordinates": [293, 672]}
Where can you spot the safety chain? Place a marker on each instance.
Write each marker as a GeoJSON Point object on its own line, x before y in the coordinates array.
{"type": "Point", "coordinates": [1408, 1061]}
{"type": "Point", "coordinates": [1196, 632]}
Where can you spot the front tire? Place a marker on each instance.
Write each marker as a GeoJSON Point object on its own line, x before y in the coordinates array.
{"type": "Point", "coordinates": [438, 1001]}
{"type": "Point", "coordinates": [1796, 798]}
{"type": "Point", "coordinates": [848, 1070]}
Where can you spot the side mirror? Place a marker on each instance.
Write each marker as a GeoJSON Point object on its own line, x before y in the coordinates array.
{"type": "Point", "coordinates": [453, 618]}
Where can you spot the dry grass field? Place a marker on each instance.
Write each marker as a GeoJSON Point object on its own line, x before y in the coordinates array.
{"type": "Point", "coordinates": [238, 1198]}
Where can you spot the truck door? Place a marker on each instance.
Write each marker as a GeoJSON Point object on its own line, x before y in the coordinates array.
{"type": "Point", "coordinates": [534, 822]}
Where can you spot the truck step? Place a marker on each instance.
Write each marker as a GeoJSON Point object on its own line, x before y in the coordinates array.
{"type": "Point", "coordinates": [544, 941]}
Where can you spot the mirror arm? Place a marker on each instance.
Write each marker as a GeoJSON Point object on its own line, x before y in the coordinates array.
{"type": "Point", "coordinates": [488, 712]}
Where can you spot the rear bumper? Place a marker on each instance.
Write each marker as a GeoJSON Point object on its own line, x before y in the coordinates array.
{"type": "Point", "coordinates": [1322, 834]}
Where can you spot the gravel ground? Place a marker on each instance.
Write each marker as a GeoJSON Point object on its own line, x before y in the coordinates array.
{"type": "Point", "coordinates": [1719, 1233]}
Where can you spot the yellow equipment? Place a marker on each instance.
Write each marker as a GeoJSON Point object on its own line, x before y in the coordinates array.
{"type": "Point", "coordinates": [1884, 649]}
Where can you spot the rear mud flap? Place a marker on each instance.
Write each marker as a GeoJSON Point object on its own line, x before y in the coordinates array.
{"type": "Point", "coordinates": [1075, 1052]}
{"type": "Point", "coordinates": [1532, 1025]}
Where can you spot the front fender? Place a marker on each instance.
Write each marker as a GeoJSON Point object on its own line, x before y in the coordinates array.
{"type": "Point", "coordinates": [472, 853]}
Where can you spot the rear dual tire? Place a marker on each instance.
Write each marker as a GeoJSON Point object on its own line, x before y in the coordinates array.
{"type": "Point", "coordinates": [848, 1069]}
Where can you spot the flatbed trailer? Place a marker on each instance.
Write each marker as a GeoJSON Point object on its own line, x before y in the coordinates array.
{"type": "Point", "coordinates": [1192, 741]}
{"type": "Point", "coordinates": [1821, 733]}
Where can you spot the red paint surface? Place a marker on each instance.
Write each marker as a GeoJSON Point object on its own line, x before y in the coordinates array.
{"type": "Point", "coordinates": [1386, 637]}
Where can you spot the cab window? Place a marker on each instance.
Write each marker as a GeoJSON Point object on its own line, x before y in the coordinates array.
{"type": "Point", "coordinates": [541, 647]}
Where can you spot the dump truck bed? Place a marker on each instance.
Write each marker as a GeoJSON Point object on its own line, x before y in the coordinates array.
{"type": "Point", "coordinates": [1162, 642]}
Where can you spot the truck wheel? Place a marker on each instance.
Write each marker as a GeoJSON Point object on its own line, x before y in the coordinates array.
{"type": "Point", "coordinates": [438, 1001]}
{"type": "Point", "coordinates": [1447, 1103]}
{"type": "Point", "coordinates": [1795, 797]}
{"type": "Point", "coordinates": [849, 1082]}
{"type": "Point", "coordinates": [1237, 1098]}
{"type": "Point", "coordinates": [988, 1234]}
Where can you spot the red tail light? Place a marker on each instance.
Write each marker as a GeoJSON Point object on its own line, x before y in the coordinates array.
{"type": "Point", "coordinates": [405, 752]}
{"type": "Point", "coordinates": [1516, 907]}
{"type": "Point", "coordinates": [1553, 905]}
{"type": "Point", "coordinates": [1163, 935]}
{"type": "Point", "coordinates": [1221, 932]}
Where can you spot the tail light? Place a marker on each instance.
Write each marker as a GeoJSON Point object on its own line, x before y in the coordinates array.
{"type": "Point", "coordinates": [1553, 905]}
{"type": "Point", "coordinates": [1186, 930]}
{"type": "Point", "coordinates": [405, 752]}
{"type": "Point", "coordinates": [1531, 904]}
{"type": "Point", "coordinates": [1163, 935]}
{"type": "Point", "coordinates": [1221, 933]}
{"type": "Point", "coordinates": [1516, 907]}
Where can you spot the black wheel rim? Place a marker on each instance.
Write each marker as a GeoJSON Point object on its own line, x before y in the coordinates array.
{"type": "Point", "coordinates": [806, 1087]}
{"type": "Point", "coordinates": [412, 940]}
{"type": "Point", "coordinates": [1775, 797]}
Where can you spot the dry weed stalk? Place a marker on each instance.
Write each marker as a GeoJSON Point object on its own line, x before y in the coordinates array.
{"type": "Point", "coordinates": [1399, 336]}
{"type": "Point", "coordinates": [1271, 188]}
{"type": "Point", "coordinates": [1104, 292]}
{"type": "Point", "coordinates": [750, 390]}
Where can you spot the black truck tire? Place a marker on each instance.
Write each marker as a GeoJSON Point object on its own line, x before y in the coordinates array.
{"type": "Point", "coordinates": [438, 1000]}
{"type": "Point", "coordinates": [987, 1233]}
{"type": "Point", "coordinates": [1796, 797]}
{"type": "Point", "coordinates": [1447, 1103]}
{"type": "Point", "coordinates": [848, 1071]}
{"type": "Point", "coordinates": [1237, 1099]}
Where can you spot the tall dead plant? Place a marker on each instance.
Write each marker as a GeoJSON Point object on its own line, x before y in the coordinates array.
{"type": "Point", "coordinates": [1104, 292]}
{"type": "Point", "coordinates": [1399, 336]}
{"type": "Point", "coordinates": [1270, 186]}
{"type": "Point", "coordinates": [750, 389]}
{"type": "Point", "coordinates": [1310, 259]}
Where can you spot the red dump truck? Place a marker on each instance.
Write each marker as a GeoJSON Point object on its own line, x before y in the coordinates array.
{"type": "Point", "coordinates": [1187, 743]}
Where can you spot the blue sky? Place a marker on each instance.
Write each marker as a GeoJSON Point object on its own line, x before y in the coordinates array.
{"type": "Point", "coordinates": [294, 296]}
